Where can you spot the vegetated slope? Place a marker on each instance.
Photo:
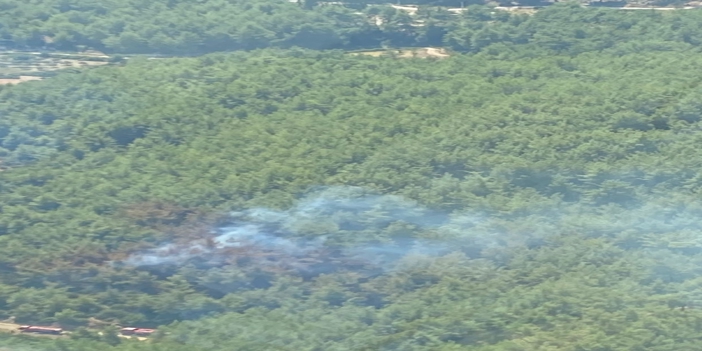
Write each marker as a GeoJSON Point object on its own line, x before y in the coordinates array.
{"type": "Point", "coordinates": [565, 186]}
{"type": "Point", "coordinates": [595, 150]}
{"type": "Point", "coordinates": [174, 26]}
{"type": "Point", "coordinates": [560, 29]}
{"type": "Point", "coordinates": [568, 29]}
{"type": "Point", "coordinates": [187, 27]}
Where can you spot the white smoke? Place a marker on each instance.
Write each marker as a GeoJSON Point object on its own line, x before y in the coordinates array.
{"type": "Point", "coordinates": [358, 223]}
{"type": "Point", "coordinates": [355, 223]}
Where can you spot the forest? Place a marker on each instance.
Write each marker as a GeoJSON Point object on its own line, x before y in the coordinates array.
{"type": "Point", "coordinates": [536, 190]}
{"type": "Point", "coordinates": [185, 27]}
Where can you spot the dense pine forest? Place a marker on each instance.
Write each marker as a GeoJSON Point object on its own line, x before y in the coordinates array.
{"type": "Point", "coordinates": [186, 27]}
{"type": "Point", "coordinates": [538, 189]}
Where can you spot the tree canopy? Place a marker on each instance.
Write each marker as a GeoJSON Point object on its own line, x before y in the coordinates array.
{"type": "Point", "coordinates": [536, 190]}
{"type": "Point", "coordinates": [180, 27]}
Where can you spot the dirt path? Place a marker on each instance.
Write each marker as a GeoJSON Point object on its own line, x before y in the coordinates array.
{"type": "Point", "coordinates": [412, 9]}
{"type": "Point", "coordinates": [8, 327]}
{"type": "Point", "coordinates": [419, 52]}
{"type": "Point", "coordinates": [21, 79]}
{"type": "Point", "coordinates": [437, 52]}
{"type": "Point", "coordinates": [14, 329]}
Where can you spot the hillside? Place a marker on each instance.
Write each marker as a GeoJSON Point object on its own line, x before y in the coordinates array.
{"type": "Point", "coordinates": [180, 27]}
{"type": "Point", "coordinates": [538, 189]}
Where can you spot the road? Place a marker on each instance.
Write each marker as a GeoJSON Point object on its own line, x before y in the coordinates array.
{"type": "Point", "coordinates": [412, 9]}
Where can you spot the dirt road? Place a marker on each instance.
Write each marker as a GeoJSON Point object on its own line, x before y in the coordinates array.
{"type": "Point", "coordinates": [14, 329]}
{"type": "Point", "coordinates": [9, 327]}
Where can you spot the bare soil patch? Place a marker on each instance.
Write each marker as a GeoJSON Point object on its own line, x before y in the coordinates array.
{"type": "Point", "coordinates": [407, 53]}
{"type": "Point", "coordinates": [412, 9]}
{"type": "Point", "coordinates": [20, 67]}
{"type": "Point", "coordinates": [529, 10]}
{"type": "Point", "coordinates": [79, 63]}
{"type": "Point", "coordinates": [14, 329]}
{"type": "Point", "coordinates": [21, 79]}
{"type": "Point", "coordinates": [9, 326]}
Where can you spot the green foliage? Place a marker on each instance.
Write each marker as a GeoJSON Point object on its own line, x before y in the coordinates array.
{"type": "Point", "coordinates": [565, 164]}
{"type": "Point", "coordinates": [188, 28]}
{"type": "Point", "coordinates": [174, 26]}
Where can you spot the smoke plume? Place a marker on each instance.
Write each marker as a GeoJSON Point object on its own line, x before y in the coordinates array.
{"type": "Point", "coordinates": [336, 228]}
{"type": "Point", "coordinates": [327, 225]}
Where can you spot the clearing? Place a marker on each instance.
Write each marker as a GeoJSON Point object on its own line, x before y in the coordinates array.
{"type": "Point", "coordinates": [19, 67]}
